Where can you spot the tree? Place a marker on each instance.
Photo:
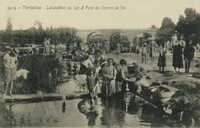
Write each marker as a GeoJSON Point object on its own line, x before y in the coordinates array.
{"type": "Point", "coordinates": [189, 25]}
{"type": "Point", "coordinates": [118, 38]}
{"type": "Point", "coordinates": [197, 28]}
{"type": "Point", "coordinates": [142, 38]}
{"type": "Point", "coordinates": [153, 26]}
{"type": "Point", "coordinates": [37, 34]}
{"type": "Point", "coordinates": [38, 24]}
{"type": "Point", "coordinates": [146, 35]}
{"type": "Point", "coordinates": [8, 31]}
{"type": "Point", "coordinates": [167, 23]}
{"type": "Point", "coordinates": [190, 14]}
{"type": "Point", "coordinates": [9, 25]}
{"type": "Point", "coordinates": [166, 30]}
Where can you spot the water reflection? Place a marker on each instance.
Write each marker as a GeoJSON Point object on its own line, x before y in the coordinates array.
{"type": "Point", "coordinates": [63, 107]}
{"type": "Point", "coordinates": [7, 117]}
{"type": "Point", "coordinates": [34, 114]}
{"type": "Point", "coordinates": [113, 111]}
{"type": "Point", "coordinates": [89, 110]}
{"type": "Point", "coordinates": [118, 111]}
{"type": "Point", "coordinates": [133, 106]}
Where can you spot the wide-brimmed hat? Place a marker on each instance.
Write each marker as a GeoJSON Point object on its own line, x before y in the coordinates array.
{"type": "Point", "coordinates": [15, 51]}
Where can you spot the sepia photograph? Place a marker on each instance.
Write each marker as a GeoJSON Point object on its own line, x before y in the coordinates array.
{"type": "Point", "coordinates": [100, 63]}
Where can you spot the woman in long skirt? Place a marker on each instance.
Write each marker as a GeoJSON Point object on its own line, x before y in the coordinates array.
{"type": "Point", "coordinates": [162, 59]}
{"type": "Point", "coordinates": [109, 74]}
{"type": "Point", "coordinates": [177, 57]}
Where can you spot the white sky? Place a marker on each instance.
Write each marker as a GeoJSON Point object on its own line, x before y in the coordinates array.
{"type": "Point", "coordinates": [138, 13]}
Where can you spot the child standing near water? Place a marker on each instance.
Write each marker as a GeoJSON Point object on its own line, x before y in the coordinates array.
{"type": "Point", "coordinates": [92, 85]}
{"type": "Point", "coordinates": [162, 59]}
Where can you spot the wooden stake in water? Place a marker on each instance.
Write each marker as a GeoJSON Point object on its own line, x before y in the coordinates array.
{"type": "Point", "coordinates": [63, 103]}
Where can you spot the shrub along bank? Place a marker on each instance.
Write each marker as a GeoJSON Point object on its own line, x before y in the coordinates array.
{"type": "Point", "coordinates": [42, 74]}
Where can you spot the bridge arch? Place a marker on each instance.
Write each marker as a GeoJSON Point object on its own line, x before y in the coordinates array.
{"type": "Point", "coordinates": [140, 38]}
{"type": "Point", "coordinates": [94, 33]}
{"type": "Point", "coordinates": [118, 37]}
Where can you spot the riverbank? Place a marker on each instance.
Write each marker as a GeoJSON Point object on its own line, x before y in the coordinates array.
{"type": "Point", "coordinates": [167, 77]}
{"type": "Point", "coordinates": [187, 84]}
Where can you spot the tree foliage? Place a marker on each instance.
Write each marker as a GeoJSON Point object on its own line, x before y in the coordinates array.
{"type": "Point", "coordinates": [153, 26]}
{"type": "Point", "coordinates": [9, 25]}
{"type": "Point", "coordinates": [189, 25]}
{"type": "Point", "coordinates": [165, 32]}
{"type": "Point", "coordinates": [8, 31]}
{"type": "Point", "coordinates": [143, 39]}
{"type": "Point", "coordinates": [37, 34]}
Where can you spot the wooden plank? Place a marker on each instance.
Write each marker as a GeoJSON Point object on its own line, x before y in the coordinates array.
{"type": "Point", "coordinates": [43, 97]}
{"type": "Point", "coordinates": [169, 87]}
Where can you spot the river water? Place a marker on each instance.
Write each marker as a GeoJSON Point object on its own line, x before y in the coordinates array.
{"type": "Point", "coordinates": [118, 111]}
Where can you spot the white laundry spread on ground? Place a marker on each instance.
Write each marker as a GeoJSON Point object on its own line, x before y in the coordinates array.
{"type": "Point", "coordinates": [23, 73]}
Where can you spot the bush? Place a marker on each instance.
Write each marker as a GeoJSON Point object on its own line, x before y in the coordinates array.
{"type": "Point", "coordinates": [42, 75]}
{"type": "Point", "coordinates": [188, 91]}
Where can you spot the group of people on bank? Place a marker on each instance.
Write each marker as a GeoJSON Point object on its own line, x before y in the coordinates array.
{"type": "Point", "coordinates": [149, 50]}
{"type": "Point", "coordinates": [179, 48]}
{"type": "Point", "coordinates": [95, 66]}
{"type": "Point", "coordinates": [107, 72]}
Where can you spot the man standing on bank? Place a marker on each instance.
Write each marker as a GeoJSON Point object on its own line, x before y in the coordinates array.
{"type": "Point", "coordinates": [10, 66]}
{"type": "Point", "coordinates": [188, 55]}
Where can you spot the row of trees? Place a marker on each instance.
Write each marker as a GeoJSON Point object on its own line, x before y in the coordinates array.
{"type": "Point", "coordinates": [188, 25]}
{"type": "Point", "coordinates": [37, 34]}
